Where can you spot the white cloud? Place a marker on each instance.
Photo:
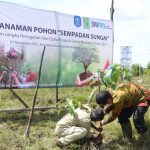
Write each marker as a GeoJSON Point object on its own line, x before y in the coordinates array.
{"type": "Point", "coordinates": [130, 7]}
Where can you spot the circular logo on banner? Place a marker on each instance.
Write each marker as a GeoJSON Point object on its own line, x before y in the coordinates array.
{"type": "Point", "coordinates": [77, 21]}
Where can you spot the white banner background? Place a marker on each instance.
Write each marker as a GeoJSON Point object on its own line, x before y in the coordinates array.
{"type": "Point", "coordinates": [32, 29]}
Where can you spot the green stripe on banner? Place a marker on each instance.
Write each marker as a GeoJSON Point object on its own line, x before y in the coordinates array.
{"type": "Point", "coordinates": [59, 67]}
{"type": "Point", "coordinates": [59, 55]}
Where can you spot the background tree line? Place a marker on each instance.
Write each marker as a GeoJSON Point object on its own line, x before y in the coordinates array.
{"type": "Point", "coordinates": [138, 70]}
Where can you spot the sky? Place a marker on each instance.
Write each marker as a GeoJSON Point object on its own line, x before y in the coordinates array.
{"type": "Point", "coordinates": [131, 21]}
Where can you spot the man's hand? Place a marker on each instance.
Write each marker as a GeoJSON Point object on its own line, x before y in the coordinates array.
{"type": "Point", "coordinates": [100, 129]}
{"type": "Point", "coordinates": [102, 123]}
{"type": "Point", "coordinates": [13, 75]}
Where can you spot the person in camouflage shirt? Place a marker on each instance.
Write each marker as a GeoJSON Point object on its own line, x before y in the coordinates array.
{"type": "Point", "coordinates": [126, 100]}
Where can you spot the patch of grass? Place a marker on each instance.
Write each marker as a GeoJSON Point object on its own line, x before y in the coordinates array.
{"type": "Point", "coordinates": [12, 129]}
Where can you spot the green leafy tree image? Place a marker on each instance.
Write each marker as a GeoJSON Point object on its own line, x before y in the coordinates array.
{"type": "Point", "coordinates": [137, 70]}
{"type": "Point", "coordinates": [148, 65]}
{"type": "Point", "coordinates": [148, 68]}
{"type": "Point", "coordinates": [86, 55]}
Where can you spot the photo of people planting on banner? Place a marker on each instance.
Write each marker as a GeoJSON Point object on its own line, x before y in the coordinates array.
{"type": "Point", "coordinates": [73, 66]}
{"type": "Point", "coordinates": [11, 63]}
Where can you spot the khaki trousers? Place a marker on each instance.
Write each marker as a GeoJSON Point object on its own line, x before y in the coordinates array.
{"type": "Point", "coordinates": [71, 134]}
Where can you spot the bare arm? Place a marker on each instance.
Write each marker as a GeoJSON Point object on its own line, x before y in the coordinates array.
{"type": "Point", "coordinates": [2, 75]}
{"type": "Point", "coordinates": [96, 128]}
{"type": "Point", "coordinates": [14, 77]}
{"type": "Point", "coordinates": [84, 82]}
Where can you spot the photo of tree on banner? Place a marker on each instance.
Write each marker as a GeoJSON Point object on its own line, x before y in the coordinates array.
{"type": "Point", "coordinates": [79, 65]}
{"type": "Point", "coordinates": [85, 56]}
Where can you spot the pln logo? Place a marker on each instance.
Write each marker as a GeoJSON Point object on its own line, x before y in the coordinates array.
{"type": "Point", "coordinates": [77, 21]}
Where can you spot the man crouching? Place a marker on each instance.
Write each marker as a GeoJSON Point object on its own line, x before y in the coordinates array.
{"type": "Point", "coordinates": [77, 126]}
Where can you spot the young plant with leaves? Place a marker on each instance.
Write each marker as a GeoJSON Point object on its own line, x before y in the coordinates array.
{"type": "Point", "coordinates": [110, 78]}
{"type": "Point", "coordinates": [113, 74]}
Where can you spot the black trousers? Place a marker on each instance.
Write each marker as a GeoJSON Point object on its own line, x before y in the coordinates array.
{"type": "Point", "coordinates": [138, 117]}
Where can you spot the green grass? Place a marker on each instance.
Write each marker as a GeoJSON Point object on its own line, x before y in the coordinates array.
{"type": "Point", "coordinates": [41, 136]}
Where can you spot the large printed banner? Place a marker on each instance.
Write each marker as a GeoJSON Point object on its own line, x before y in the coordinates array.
{"type": "Point", "coordinates": [76, 47]}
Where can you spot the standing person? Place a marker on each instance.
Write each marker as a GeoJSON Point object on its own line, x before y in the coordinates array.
{"type": "Point", "coordinates": [77, 126]}
{"type": "Point", "coordinates": [126, 100]}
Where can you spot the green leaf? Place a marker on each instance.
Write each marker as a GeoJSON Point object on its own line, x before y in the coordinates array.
{"type": "Point", "coordinates": [70, 107]}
